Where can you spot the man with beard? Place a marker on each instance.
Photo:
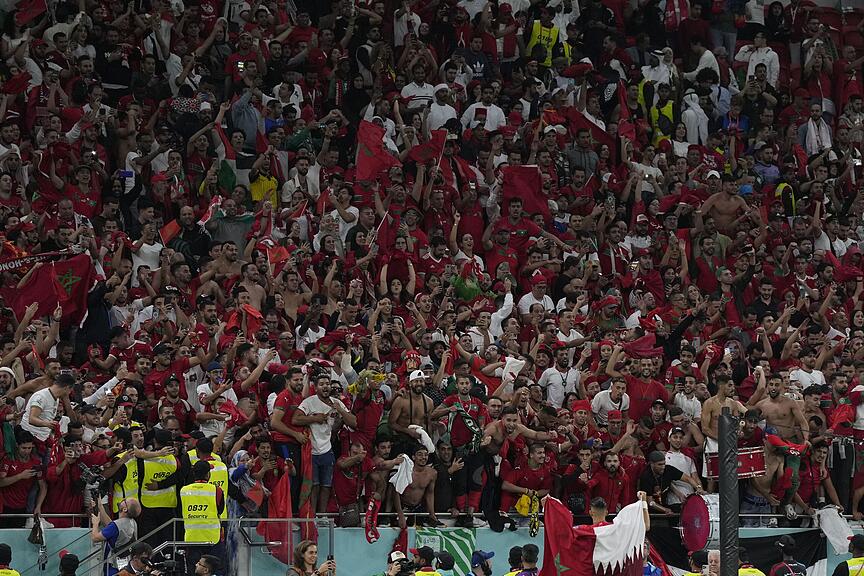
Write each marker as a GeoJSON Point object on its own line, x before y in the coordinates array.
{"type": "Point", "coordinates": [467, 417]}
{"type": "Point", "coordinates": [193, 241]}
{"type": "Point", "coordinates": [611, 484]}
{"type": "Point", "coordinates": [289, 438]}
{"type": "Point", "coordinates": [507, 437]}
{"type": "Point", "coordinates": [560, 379]}
{"type": "Point", "coordinates": [535, 476]}
{"type": "Point", "coordinates": [642, 390]}
{"type": "Point", "coordinates": [807, 375]}
{"type": "Point", "coordinates": [684, 459]}
{"type": "Point", "coordinates": [780, 411]}
{"type": "Point", "coordinates": [323, 415]}
{"type": "Point", "coordinates": [725, 398]}
{"type": "Point", "coordinates": [656, 480]}
{"type": "Point", "coordinates": [413, 408]}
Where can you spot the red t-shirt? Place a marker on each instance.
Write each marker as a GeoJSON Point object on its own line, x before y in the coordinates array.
{"type": "Point", "coordinates": [15, 495]}
{"type": "Point", "coordinates": [526, 477]}
{"type": "Point", "coordinates": [129, 355]}
{"type": "Point", "coordinates": [460, 435]}
{"type": "Point", "coordinates": [288, 401]}
{"type": "Point", "coordinates": [348, 482]}
{"type": "Point", "coordinates": [369, 411]}
{"type": "Point", "coordinates": [154, 382]}
{"type": "Point", "coordinates": [642, 395]}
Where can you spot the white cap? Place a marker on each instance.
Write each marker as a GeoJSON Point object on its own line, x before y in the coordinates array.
{"type": "Point", "coordinates": [713, 173]}
{"type": "Point", "coordinates": [441, 86]}
{"type": "Point", "coordinates": [395, 556]}
{"type": "Point", "coordinates": [417, 375]}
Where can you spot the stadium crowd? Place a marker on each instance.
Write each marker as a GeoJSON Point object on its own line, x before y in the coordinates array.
{"type": "Point", "coordinates": [438, 259]}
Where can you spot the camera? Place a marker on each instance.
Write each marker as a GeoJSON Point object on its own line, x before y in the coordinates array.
{"type": "Point", "coordinates": [92, 481]}
{"type": "Point", "coordinates": [406, 567]}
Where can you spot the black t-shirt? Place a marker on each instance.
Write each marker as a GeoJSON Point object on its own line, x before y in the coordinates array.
{"type": "Point", "coordinates": [650, 482]}
{"type": "Point", "coordinates": [788, 569]}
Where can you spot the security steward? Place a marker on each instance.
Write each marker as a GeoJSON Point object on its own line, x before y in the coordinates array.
{"type": "Point", "coordinates": [855, 565]}
{"type": "Point", "coordinates": [6, 560]}
{"type": "Point", "coordinates": [745, 568]}
{"type": "Point", "coordinates": [203, 506]}
{"type": "Point", "coordinates": [159, 475]}
{"type": "Point", "coordinates": [218, 470]}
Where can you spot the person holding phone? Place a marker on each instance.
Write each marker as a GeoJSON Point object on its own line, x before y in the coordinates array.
{"type": "Point", "coordinates": [18, 475]}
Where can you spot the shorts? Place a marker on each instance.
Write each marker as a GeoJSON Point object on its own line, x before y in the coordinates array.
{"type": "Point", "coordinates": [711, 447]}
{"type": "Point", "coordinates": [322, 469]}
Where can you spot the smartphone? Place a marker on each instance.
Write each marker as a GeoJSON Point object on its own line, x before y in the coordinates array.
{"type": "Point", "coordinates": [126, 174]}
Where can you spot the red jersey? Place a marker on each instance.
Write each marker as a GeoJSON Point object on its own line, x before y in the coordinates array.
{"type": "Point", "coordinates": [288, 401]}
{"type": "Point", "coordinates": [612, 489]}
{"type": "Point", "coordinates": [130, 354]}
{"type": "Point", "coordinates": [460, 435]}
{"type": "Point", "coordinates": [348, 482]}
{"type": "Point", "coordinates": [368, 410]}
{"type": "Point", "coordinates": [154, 382]}
{"type": "Point", "coordinates": [642, 394]}
{"type": "Point", "coordinates": [15, 495]}
{"type": "Point", "coordinates": [526, 477]}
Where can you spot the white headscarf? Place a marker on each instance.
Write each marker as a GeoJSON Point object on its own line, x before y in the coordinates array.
{"type": "Point", "coordinates": [697, 123]}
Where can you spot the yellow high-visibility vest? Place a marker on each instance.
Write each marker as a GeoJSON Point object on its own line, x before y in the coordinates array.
{"type": "Point", "coordinates": [9, 572]}
{"type": "Point", "coordinates": [155, 469]}
{"type": "Point", "coordinates": [200, 513]}
{"type": "Point", "coordinates": [546, 37]}
{"type": "Point", "coordinates": [750, 571]}
{"type": "Point", "coordinates": [218, 469]}
{"type": "Point", "coordinates": [128, 488]}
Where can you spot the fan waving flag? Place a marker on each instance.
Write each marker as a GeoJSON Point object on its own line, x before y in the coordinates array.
{"type": "Point", "coordinates": [65, 283]}
{"type": "Point", "coordinates": [525, 183]}
{"type": "Point", "coordinates": [29, 10]}
{"type": "Point", "coordinates": [431, 150]}
{"type": "Point", "coordinates": [372, 157]}
{"type": "Point", "coordinates": [607, 549]}
{"type": "Point", "coordinates": [579, 121]}
{"type": "Point", "coordinates": [626, 128]}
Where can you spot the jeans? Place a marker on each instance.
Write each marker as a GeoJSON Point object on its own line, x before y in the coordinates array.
{"type": "Point", "coordinates": [755, 505]}
{"type": "Point", "coordinates": [322, 469]}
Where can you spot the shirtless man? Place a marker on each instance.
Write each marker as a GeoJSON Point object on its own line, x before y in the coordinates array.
{"type": "Point", "coordinates": [227, 264]}
{"type": "Point", "coordinates": [507, 431]}
{"type": "Point", "coordinates": [379, 487]}
{"type": "Point", "coordinates": [780, 411]}
{"type": "Point", "coordinates": [294, 292]}
{"type": "Point", "coordinates": [711, 415]}
{"type": "Point", "coordinates": [724, 206]}
{"type": "Point", "coordinates": [27, 389]}
{"type": "Point", "coordinates": [758, 498]}
{"type": "Point", "coordinates": [251, 276]}
{"type": "Point", "coordinates": [413, 407]}
{"type": "Point", "coordinates": [419, 496]}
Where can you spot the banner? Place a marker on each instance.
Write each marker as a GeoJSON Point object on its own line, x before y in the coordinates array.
{"type": "Point", "coordinates": [460, 542]}
{"type": "Point", "coordinates": [11, 264]}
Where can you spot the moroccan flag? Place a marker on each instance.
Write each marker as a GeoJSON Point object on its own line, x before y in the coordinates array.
{"type": "Point", "coordinates": [29, 10]}
{"type": "Point", "coordinates": [298, 212]}
{"type": "Point", "coordinates": [610, 549]}
{"type": "Point", "coordinates": [65, 283]}
{"type": "Point", "coordinates": [578, 121]}
{"type": "Point", "coordinates": [308, 530]}
{"type": "Point", "coordinates": [17, 83]}
{"type": "Point", "coordinates": [525, 182]}
{"type": "Point", "coordinates": [459, 542]}
{"type": "Point", "coordinates": [254, 320]}
{"type": "Point", "coordinates": [323, 200]}
{"type": "Point", "coordinates": [387, 230]}
{"type": "Point", "coordinates": [431, 150]}
{"type": "Point", "coordinates": [626, 128]}
{"type": "Point", "coordinates": [279, 506]}
{"type": "Point", "coordinates": [372, 157]}
{"type": "Point", "coordinates": [169, 231]}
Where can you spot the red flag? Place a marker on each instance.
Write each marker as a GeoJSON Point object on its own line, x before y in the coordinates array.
{"type": "Point", "coordinates": [65, 282]}
{"type": "Point", "coordinates": [607, 549]}
{"type": "Point", "coordinates": [279, 506]}
{"type": "Point", "coordinates": [298, 212]}
{"type": "Point", "coordinates": [308, 530]}
{"type": "Point", "coordinates": [431, 150]}
{"type": "Point", "coordinates": [17, 83]}
{"type": "Point", "coordinates": [29, 10]}
{"type": "Point", "coordinates": [215, 202]}
{"type": "Point", "coordinates": [372, 157]}
{"type": "Point", "coordinates": [169, 231]}
{"type": "Point", "coordinates": [386, 233]}
{"type": "Point", "coordinates": [626, 128]}
{"type": "Point", "coordinates": [254, 319]}
{"type": "Point", "coordinates": [526, 183]}
{"type": "Point", "coordinates": [578, 121]}
{"type": "Point", "coordinates": [323, 200]}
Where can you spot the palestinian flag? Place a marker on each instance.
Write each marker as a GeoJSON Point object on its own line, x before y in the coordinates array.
{"type": "Point", "coordinates": [460, 542]}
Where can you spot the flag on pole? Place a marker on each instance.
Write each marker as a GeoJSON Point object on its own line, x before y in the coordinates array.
{"type": "Point", "coordinates": [459, 542]}
{"type": "Point", "coordinates": [579, 121]}
{"type": "Point", "coordinates": [430, 150]}
{"type": "Point", "coordinates": [614, 549]}
{"type": "Point", "coordinates": [65, 283]}
{"type": "Point", "coordinates": [626, 128]}
{"type": "Point", "coordinates": [372, 157]}
{"type": "Point", "coordinates": [215, 203]}
{"type": "Point", "coordinates": [169, 231]}
{"type": "Point", "coordinates": [525, 183]}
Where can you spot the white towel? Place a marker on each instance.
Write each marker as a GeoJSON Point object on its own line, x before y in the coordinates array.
{"type": "Point", "coordinates": [424, 438]}
{"type": "Point", "coordinates": [404, 474]}
{"type": "Point", "coordinates": [836, 529]}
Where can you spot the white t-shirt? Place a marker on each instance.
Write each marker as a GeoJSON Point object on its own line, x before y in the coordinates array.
{"type": "Point", "coordinates": [558, 384]}
{"type": "Point", "coordinates": [344, 226]}
{"type": "Point", "coordinates": [203, 390]}
{"type": "Point", "coordinates": [418, 95]}
{"type": "Point", "coordinates": [686, 465]}
{"type": "Point", "coordinates": [321, 432]}
{"type": "Point", "coordinates": [602, 404]}
{"type": "Point", "coordinates": [806, 379]}
{"type": "Point", "coordinates": [691, 406]}
{"type": "Point", "coordinates": [147, 255]}
{"type": "Point", "coordinates": [528, 300]}
{"type": "Point", "coordinates": [45, 400]}
{"type": "Point", "coordinates": [309, 338]}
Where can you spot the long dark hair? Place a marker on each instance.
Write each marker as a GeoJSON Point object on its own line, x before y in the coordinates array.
{"type": "Point", "coordinates": [299, 564]}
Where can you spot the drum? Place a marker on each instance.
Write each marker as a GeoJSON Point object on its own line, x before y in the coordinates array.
{"type": "Point", "coordinates": [751, 463]}
{"type": "Point", "coordinates": [700, 521]}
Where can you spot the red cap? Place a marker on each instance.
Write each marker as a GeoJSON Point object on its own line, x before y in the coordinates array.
{"type": "Point", "coordinates": [614, 415]}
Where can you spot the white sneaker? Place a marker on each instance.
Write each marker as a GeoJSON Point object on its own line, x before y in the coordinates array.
{"type": "Point", "coordinates": [772, 523]}
{"type": "Point", "coordinates": [790, 512]}
{"type": "Point", "coordinates": [478, 523]}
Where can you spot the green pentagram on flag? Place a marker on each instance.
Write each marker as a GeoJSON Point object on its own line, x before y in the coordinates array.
{"type": "Point", "coordinates": [559, 567]}
{"type": "Point", "coordinates": [68, 280]}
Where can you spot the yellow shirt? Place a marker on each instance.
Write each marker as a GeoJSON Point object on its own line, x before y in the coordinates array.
{"type": "Point", "coordinates": [264, 188]}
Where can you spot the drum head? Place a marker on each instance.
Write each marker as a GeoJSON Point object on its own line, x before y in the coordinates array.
{"type": "Point", "coordinates": [695, 523]}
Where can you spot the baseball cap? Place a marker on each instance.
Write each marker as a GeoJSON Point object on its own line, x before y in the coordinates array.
{"type": "Point", "coordinates": [786, 541]}
{"type": "Point", "coordinates": [425, 553]}
{"type": "Point", "coordinates": [479, 557]}
{"type": "Point", "coordinates": [125, 400]}
{"type": "Point", "coordinates": [676, 430]}
{"type": "Point", "coordinates": [162, 348]}
{"type": "Point", "coordinates": [641, 218]}
{"type": "Point", "coordinates": [857, 541]}
{"type": "Point", "coordinates": [417, 375]}
{"type": "Point", "coordinates": [395, 556]}
{"type": "Point", "coordinates": [712, 174]}
{"type": "Point", "coordinates": [214, 366]}
{"type": "Point", "coordinates": [445, 560]}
